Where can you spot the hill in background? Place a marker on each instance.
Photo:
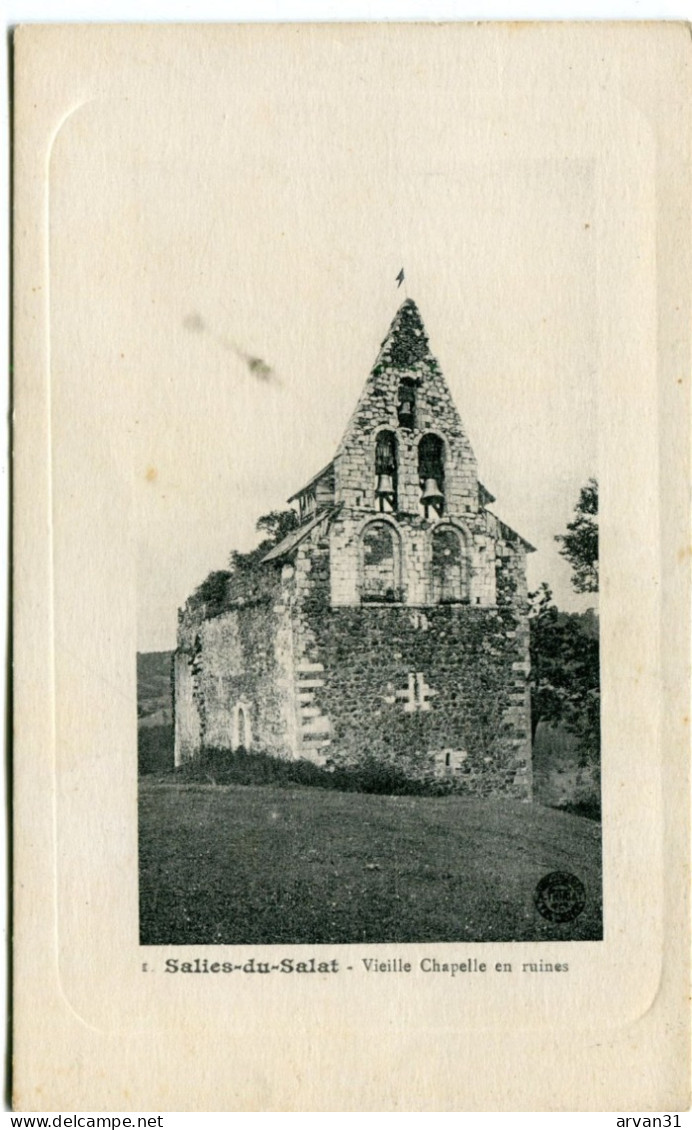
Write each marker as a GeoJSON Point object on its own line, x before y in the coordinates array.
{"type": "Point", "coordinates": [155, 711]}
{"type": "Point", "coordinates": [154, 687]}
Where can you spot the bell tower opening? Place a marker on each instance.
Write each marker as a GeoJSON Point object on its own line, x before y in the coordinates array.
{"type": "Point", "coordinates": [406, 406]}
{"type": "Point", "coordinates": [431, 474]}
{"type": "Point", "coordinates": [386, 472]}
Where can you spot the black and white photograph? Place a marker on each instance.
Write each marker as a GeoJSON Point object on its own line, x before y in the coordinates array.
{"type": "Point", "coordinates": [368, 638]}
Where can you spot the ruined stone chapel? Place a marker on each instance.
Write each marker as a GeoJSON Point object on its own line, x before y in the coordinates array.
{"type": "Point", "coordinates": [392, 623]}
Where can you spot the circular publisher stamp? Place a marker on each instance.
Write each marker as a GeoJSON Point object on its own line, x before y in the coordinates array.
{"type": "Point", "coordinates": [560, 897]}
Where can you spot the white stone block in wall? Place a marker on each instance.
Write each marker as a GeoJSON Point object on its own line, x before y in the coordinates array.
{"type": "Point", "coordinates": [319, 725]}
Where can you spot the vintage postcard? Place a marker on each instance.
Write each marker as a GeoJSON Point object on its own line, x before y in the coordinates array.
{"type": "Point", "coordinates": [352, 374]}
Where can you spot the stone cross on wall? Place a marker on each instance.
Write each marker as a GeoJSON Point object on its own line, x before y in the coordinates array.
{"type": "Point", "coordinates": [415, 696]}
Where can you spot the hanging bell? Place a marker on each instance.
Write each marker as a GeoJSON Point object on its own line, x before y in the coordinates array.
{"type": "Point", "coordinates": [432, 495]}
{"type": "Point", "coordinates": [385, 486]}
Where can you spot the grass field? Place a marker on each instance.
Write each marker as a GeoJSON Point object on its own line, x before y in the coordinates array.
{"type": "Point", "coordinates": [259, 864]}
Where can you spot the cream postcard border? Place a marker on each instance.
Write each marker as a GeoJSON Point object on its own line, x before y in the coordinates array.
{"type": "Point", "coordinates": [91, 1031]}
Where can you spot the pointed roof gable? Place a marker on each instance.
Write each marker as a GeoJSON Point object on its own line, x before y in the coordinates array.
{"type": "Point", "coordinates": [405, 357]}
{"type": "Point", "coordinates": [406, 346]}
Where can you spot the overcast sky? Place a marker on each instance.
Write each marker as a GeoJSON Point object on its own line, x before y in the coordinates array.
{"type": "Point", "coordinates": [248, 212]}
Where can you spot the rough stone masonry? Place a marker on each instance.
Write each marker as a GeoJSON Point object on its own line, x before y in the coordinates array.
{"type": "Point", "coordinates": [392, 624]}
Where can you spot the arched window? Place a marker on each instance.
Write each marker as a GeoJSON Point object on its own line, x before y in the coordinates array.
{"type": "Point", "coordinates": [431, 474]}
{"type": "Point", "coordinates": [241, 728]}
{"type": "Point", "coordinates": [242, 732]}
{"type": "Point", "coordinates": [449, 567]}
{"type": "Point", "coordinates": [386, 471]}
{"type": "Point", "coordinates": [380, 563]}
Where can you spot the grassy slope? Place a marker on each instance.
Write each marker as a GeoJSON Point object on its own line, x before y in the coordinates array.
{"type": "Point", "coordinates": [258, 864]}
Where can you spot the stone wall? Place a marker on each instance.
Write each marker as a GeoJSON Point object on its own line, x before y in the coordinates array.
{"type": "Point", "coordinates": [416, 686]}
{"type": "Point", "coordinates": [234, 681]}
{"type": "Point", "coordinates": [187, 725]}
